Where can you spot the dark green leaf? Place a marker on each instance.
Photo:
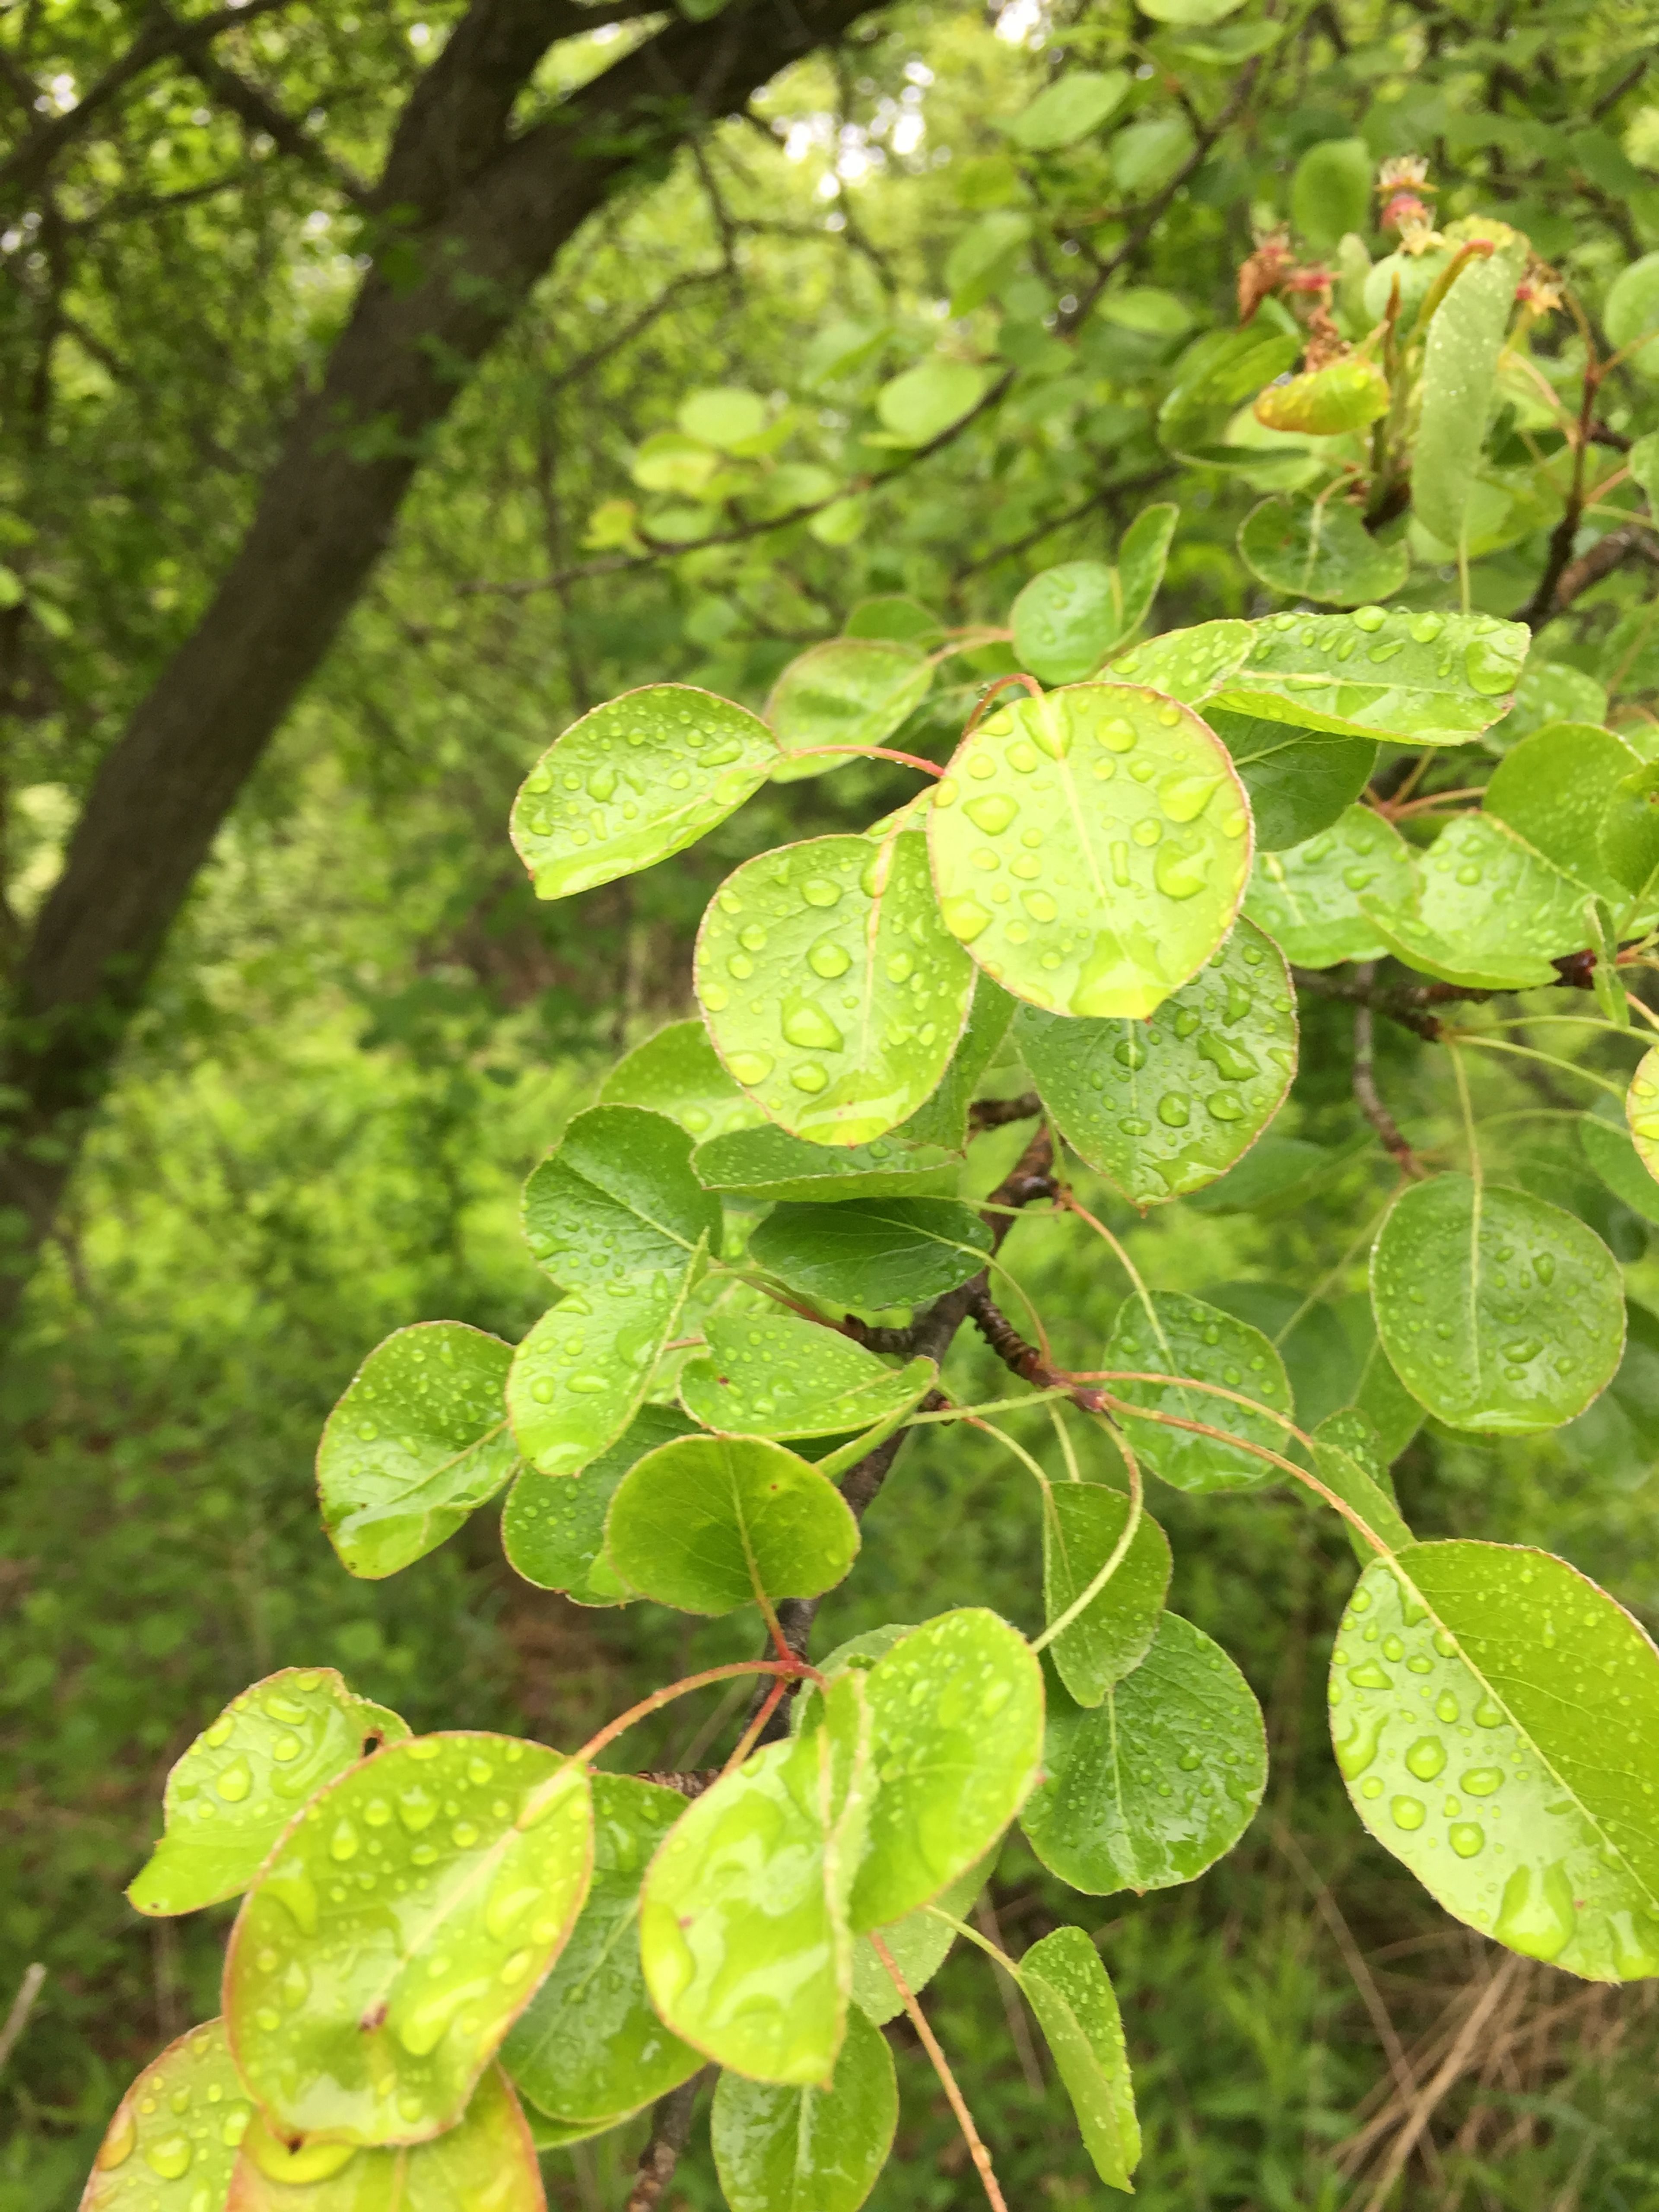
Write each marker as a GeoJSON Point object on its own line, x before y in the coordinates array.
{"type": "Point", "coordinates": [618, 1199]}
{"type": "Point", "coordinates": [1626, 843]}
{"type": "Point", "coordinates": [769, 1164]}
{"type": "Point", "coordinates": [678, 1072]}
{"type": "Point", "coordinates": [1307, 898]}
{"type": "Point", "coordinates": [873, 1252]}
{"type": "Point", "coordinates": [1215, 375]}
{"type": "Point", "coordinates": [553, 1527]}
{"type": "Point", "coordinates": [1082, 1523]}
{"type": "Point", "coordinates": [847, 691]}
{"type": "Point", "coordinates": [1317, 549]}
{"type": "Point", "coordinates": [807, 2149]}
{"type": "Point", "coordinates": [1299, 781]}
{"type": "Point", "coordinates": [1183, 1336]}
{"type": "Point", "coordinates": [1490, 913]}
{"type": "Point", "coordinates": [1348, 1459]}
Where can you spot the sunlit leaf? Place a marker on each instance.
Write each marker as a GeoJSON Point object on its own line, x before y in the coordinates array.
{"type": "Point", "coordinates": [769, 1164]}
{"type": "Point", "coordinates": [553, 1526]}
{"type": "Point", "coordinates": [706, 1523]}
{"type": "Point", "coordinates": [246, 1775]}
{"type": "Point", "coordinates": [1320, 550]}
{"type": "Point", "coordinates": [678, 1072]}
{"type": "Point", "coordinates": [1489, 912]}
{"type": "Point", "coordinates": [1642, 1110]}
{"type": "Point", "coordinates": [1090, 848]}
{"type": "Point", "coordinates": [618, 1199]}
{"type": "Point", "coordinates": [1082, 1525]}
{"type": "Point", "coordinates": [1307, 898]}
{"type": "Point", "coordinates": [744, 1931]}
{"type": "Point", "coordinates": [807, 2149]}
{"type": "Point", "coordinates": [1496, 1718]}
{"type": "Point", "coordinates": [1068, 109]}
{"type": "Point", "coordinates": [772, 1375]}
{"type": "Point", "coordinates": [1498, 1311]}
{"type": "Point", "coordinates": [873, 1252]}
{"type": "Point", "coordinates": [726, 415]}
{"type": "Point", "coordinates": [581, 1376]}
{"type": "Point", "coordinates": [398, 1930]}
{"type": "Point", "coordinates": [1554, 789]}
{"type": "Point", "coordinates": [1153, 1785]}
{"type": "Point", "coordinates": [1417, 678]}
{"type": "Point", "coordinates": [847, 691]}
{"type": "Point", "coordinates": [833, 992]}
{"type": "Point", "coordinates": [1184, 1336]}
{"type": "Point", "coordinates": [639, 779]}
{"type": "Point", "coordinates": [1067, 1988]}
{"type": "Point", "coordinates": [588, 2045]}
{"type": "Point", "coordinates": [1186, 663]}
{"type": "Point", "coordinates": [1163, 1106]}
{"type": "Point", "coordinates": [172, 2146]}
{"type": "Point", "coordinates": [1460, 368]}
{"type": "Point", "coordinates": [419, 1439]}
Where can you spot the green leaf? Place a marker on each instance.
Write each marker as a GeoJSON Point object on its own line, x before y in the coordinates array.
{"type": "Point", "coordinates": [1642, 1110]}
{"type": "Point", "coordinates": [1626, 843]}
{"type": "Point", "coordinates": [1215, 375]}
{"type": "Point", "coordinates": [1274, 1173]}
{"type": "Point", "coordinates": [1496, 1718]}
{"type": "Point", "coordinates": [1554, 789]}
{"type": "Point", "coordinates": [171, 2145]}
{"type": "Point", "coordinates": [419, 1439]}
{"type": "Point", "coordinates": [1325, 402]}
{"type": "Point", "coordinates": [1612, 1153]}
{"type": "Point", "coordinates": [1307, 898]}
{"type": "Point", "coordinates": [1075, 104]}
{"type": "Point", "coordinates": [1331, 192]}
{"type": "Point", "coordinates": [917, 1945]}
{"type": "Point", "coordinates": [617, 1200]}
{"type": "Point", "coordinates": [1187, 664]}
{"type": "Point", "coordinates": [1548, 691]}
{"type": "Point", "coordinates": [1348, 1459]}
{"type": "Point", "coordinates": [708, 1523]}
{"type": "Point", "coordinates": [943, 1118]}
{"type": "Point", "coordinates": [725, 416]}
{"type": "Point", "coordinates": [832, 990]}
{"type": "Point", "coordinates": [743, 1931]}
{"type": "Point", "coordinates": [1489, 913]}
{"type": "Point", "coordinates": [1499, 1311]}
{"type": "Point", "coordinates": [769, 1164]}
{"type": "Point", "coordinates": [553, 1527]}
{"type": "Point", "coordinates": [772, 1374]}
{"type": "Point", "coordinates": [1066, 620]}
{"type": "Point", "coordinates": [1378, 1392]}
{"type": "Point", "coordinates": [1459, 372]}
{"type": "Point", "coordinates": [1299, 781]}
{"type": "Point", "coordinates": [670, 461]}
{"type": "Point", "coordinates": [1199, 13]}
{"type": "Point", "coordinates": [1147, 154]}
{"type": "Point", "coordinates": [1148, 310]}
{"type": "Point", "coordinates": [581, 1373]}
{"type": "Point", "coordinates": [398, 1930]}
{"type": "Point", "coordinates": [636, 780]}
{"type": "Point", "coordinates": [1618, 1439]}
{"type": "Point", "coordinates": [1080, 878]}
{"type": "Point", "coordinates": [874, 1252]}
{"type": "Point", "coordinates": [984, 256]}
{"type": "Point", "coordinates": [1068, 1989]}
{"type": "Point", "coordinates": [244, 1777]}
{"type": "Point", "coordinates": [847, 691]}
{"type": "Point", "coordinates": [924, 402]}
{"type": "Point", "coordinates": [893, 615]}
{"type": "Point", "coordinates": [1163, 1106]}
{"type": "Point", "coordinates": [589, 2046]}
{"type": "Point", "coordinates": [956, 1710]}
{"type": "Point", "coordinates": [1082, 1523]}
{"type": "Point", "coordinates": [806, 2149]}
{"type": "Point", "coordinates": [1417, 679]}
{"type": "Point", "coordinates": [1317, 549]}
{"type": "Point", "coordinates": [1142, 552]}
{"type": "Point", "coordinates": [488, 2158]}
{"type": "Point", "coordinates": [1632, 309]}
{"type": "Point", "coordinates": [678, 1072]}
{"type": "Point", "coordinates": [1184, 1336]}
{"type": "Point", "coordinates": [1154, 1784]}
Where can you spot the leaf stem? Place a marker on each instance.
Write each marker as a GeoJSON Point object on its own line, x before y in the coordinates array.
{"type": "Point", "coordinates": [1008, 1966]}
{"type": "Point", "coordinates": [1018, 1450]}
{"type": "Point", "coordinates": [867, 753]}
{"type": "Point", "coordinates": [1521, 1052]}
{"type": "Point", "coordinates": [787, 1670]}
{"type": "Point", "coordinates": [1115, 1558]}
{"type": "Point", "coordinates": [958, 2103]}
{"type": "Point", "coordinates": [990, 1406]}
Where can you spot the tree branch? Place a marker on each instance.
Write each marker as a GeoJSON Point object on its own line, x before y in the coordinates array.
{"type": "Point", "coordinates": [670, 2130]}
{"type": "Point", "coordinates": [1627, 540]}
{"type": "Point", "coordinates": [255, 108]}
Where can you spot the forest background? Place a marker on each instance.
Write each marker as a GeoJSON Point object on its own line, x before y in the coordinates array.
{"type": "Point", "coordinates": [361, 1029]}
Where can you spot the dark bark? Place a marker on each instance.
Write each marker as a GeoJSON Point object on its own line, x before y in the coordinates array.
{"type": "Point", "coordinates": [477, 216]}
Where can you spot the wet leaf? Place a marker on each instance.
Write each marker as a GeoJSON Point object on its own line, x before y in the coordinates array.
{"type": "Point", "coordinates": [1163, 1106]}
{"type": "Point", "coordinates": [847, 691]}
{"type": "Point", "coordinates": [1184, 1336]}
{"type": "Point", "coordinates": [1215, 375]}
{"type": "Point", "coordinates": [1082, 1523]}
{"type": "Point", "coordinates": [917, 1945]}
{"type": "Point", "coordinates": [1299, 781]}
{"type": "Point", "coordinates": [1554, 789]}
{"type": "Point", "coordinates": [833, 992]}
{"type": "Point", "coordinates": [1459, 368]}
{"type": "Point", "coordinates": [1626, 843]}
{"type": "Point", "coordinates": [769, 1164]}
{"type": "Point", "coordinates": [956, 1710]}
{"type": "Point", "coordinates": [616, 1199]}
{"type": "Point", "coordinates": [244, 1777]}
{"type": "Point", "coordinates": [581, 1376]}
{"type": "Point", "coordinates": [1186, 663]}
{"type": "Point", "coordinates": [1631, 309]}
{"type": "Point", "coordinates": [1499, 1311]}
{"type": "Point", "coordinates": [398, 1931]}
{"type": "Point", "coordinates": [873, 1252]}
{"type": "Point", "coordinates": [553, 1527]}
{"type": "Point", "coordinates": [588, 2047]}
{"type": "Point", "coordinates": [706, 1523]}
{"type": "Point", "coordinates": [1076, 2006]}
{"type": "Point", "coordinates": [1416, 678]}
{"type": "Point", "coordinates": [1489, 911]}
{"type": "Point", "coordinates": [172, 2146]}
{"type": "Point", "coordinates": [780, 2150]}
{"type": "Point", "coordinates": [1642, 1110]}
{"type": "Point", "coordinates": [743, 1917]}
{"type": "Point", "coordinates": [1068, 109]}
{"type": "Point", "coordinates": [1155, 1784]}
{"type": "Point", "coordinates": [771, 1375]}
{"type": "Point", "coordinates": [1612, 1152]}
{"type": "Point", "coordinates": [1496, 1718]}
{"type": "Point", "coordinates": [1307, 898]}
{"type": "Point", "coordinates": [1548, 691]}
{"type": "Point", "coordinates": [1090, 848]}
{"type": "Point", "coordinates": [678, 1072]}
{"type": "Point", "coordinates": [1323, 403]}
{"type": "Point", "coordinates": [639, 779]}
{"type": "Point", "coordinates": [488, 2159]}
{"type": "Point", "coordinates": [943, 1118]}
{"type": "Point", "coordinates": [1066, 620]}
{"type": "Point", "coordinates": [1142, 552]}
{"type": "Point", "coordinates": [1348, 1459]}
{"type": "Point", "coordinates": [1320, 550]}
{"type": "Point", "coordinates": [419, 1439]}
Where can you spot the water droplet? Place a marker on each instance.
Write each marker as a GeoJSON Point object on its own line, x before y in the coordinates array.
{"type": "Point", "coordinates": [1467, 1838]}
{"type": "Point", "coordinates": [1536, 1916]}
{"type": "Point", "coordinates": [1491, 671]}
{"type": "Point", "coordinates": [343, 1843]}
{"type": "Point", "coordinates": [1408, 1812]}
{"type": "Point", "coordinates": [1039, 905]}
{"type": "Point", "coordinates": [991, 812]}
{"type": "Point", "coordinates": [829, 959]}
{"type": "Point", "coordinates": [1427, 629]}
{"type": "Point", "coordinates": [1481, 1781]}
{"type": "Point", "coordinates": [965, 918]}
{"type": "Point", "coordinates": [1173, 1112]}
{"type": "Point", "coordinates": [219, 1731]}
{"type": "Point", "coordinates": [1543, 1267]}
{"type": "Point", "coordinates": [805, 1024]}
{"type": "Point", "coordinates": [1426, 1757]}
{"type": "Point", "coordinates": [1394, 1649]}
{"type": "Point", "coordinates": [809, 1077]}
{"type": "Point", "coordinates": [1369, 1676]}
{"type": "Point", "coordinates": [234, 1784]}
{"type": "Point", "coordinates": [170, 2158]}
{"type": "Point", "coordinates": [285, 1747]}
{"type": "Point", "coordinates": [1178, 874]}
{"type": "Point", "coordinates": [1368, 618]}
{"type": "Point", "coordinates": [1184, 797]}
{"type": "Point", "coordinates": [1134, 1050]}
{"type": "Point", "coordinates": [1445, 1708]}
{"type": "Point", "coordinates": [751, 1067]}
{"type": "Point", "coordinates": [116, 2146]}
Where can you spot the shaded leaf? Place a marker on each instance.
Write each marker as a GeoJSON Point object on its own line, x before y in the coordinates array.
{"type": "Point", "coordinates": [639, 779]}
{"type": "Point", "coordinates": [1320, 550]}
{"type": "Point", "coordinates": [1299, 781]}
{"type": "Point", "coordinates": [1548, 691]}
{"type": "Point", "coordinates": [769, 1164]}
{"type": "Point", "coordinates": [581, 1373]}
{"type": "Point", "coordinates": [1348, 1459]}
{"type": "Point", "coordinates": [678, 1072]}
{"type": "Point", "coordinates": [1076, 2006]}
{"type": "Point", "coordinates": [873, 1252]}
{"type": "Point", "coordinates": [1554, 789]}
{"type": "Point", "coordinates": [778, 2149]}
{"type": "Point", "coordinates": [942, 1119]}
{"type": "Point", "coordinates": [1331, 191]}
{"type": "Point", "coordinates": [553, 1526]}
{"type": "Point", "coordinates": [1215, 375]}
{"type": "Point", "coordinates": [1184, 1336]}
{"type": "Point", "coordinates": [171, 2145]}
{"type": "Point", "coordinates": [1307, 898]}
{"type": "Point", "coordinates": [1631, 309]}
{"type": "Point", "coordinates": [618, 1199]}
{"type": "Point", "coordinates": [244, 1777]}
{"type": "Point", "coordinates": [772, 1375]}
{"type": "Point", "coordinates": [1082, 1523]}
{"type": "Point", "coordinates": [919, 1945]}
{"type": "Point", "coordinates": [1460, 371]}
{"type": "Point", "coordinates": [847, 691]}
{"type": "Point", "coordinates": [1066, 620]}
{"type": "Point", "coordinates": [1612, 1152]}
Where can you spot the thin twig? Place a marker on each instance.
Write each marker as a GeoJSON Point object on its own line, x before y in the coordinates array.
{"type": "Point", "coordinates": [958, 2103]}
{"type": "Point", "coordinates": [22, 2006]}
{"type": "Point", "coordinates": [1368, 1097]}
{"type": "Point", "coordinates": [670, 2130]}
{"type": "Point", "coordinates": [1429, 2098]}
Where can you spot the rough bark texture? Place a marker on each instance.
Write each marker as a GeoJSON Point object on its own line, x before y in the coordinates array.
{"type": "Point", "coordinates": [478, 216]}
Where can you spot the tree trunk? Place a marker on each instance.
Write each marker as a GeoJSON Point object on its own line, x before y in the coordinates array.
{"type": "Point", "coordinates": [478, 218]}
